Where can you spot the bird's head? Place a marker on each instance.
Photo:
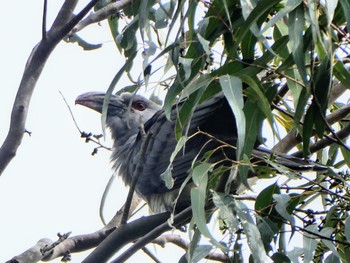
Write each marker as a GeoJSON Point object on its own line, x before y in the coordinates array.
{"type": "Point", "coordinates": [125, 112]}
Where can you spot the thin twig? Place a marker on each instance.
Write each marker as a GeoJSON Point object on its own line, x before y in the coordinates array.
{"type": "Point", "coordinates": [43, 32]}
{"type": "Point", "coordinates": [101, 14]}
{"type": "Point", "coordinates": [83, 134]}
{"type": "Point", "coordinates": [151, 255]}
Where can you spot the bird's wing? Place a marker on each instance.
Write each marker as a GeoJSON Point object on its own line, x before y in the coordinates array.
{"type": "Point", "coordinates": [162, 143]}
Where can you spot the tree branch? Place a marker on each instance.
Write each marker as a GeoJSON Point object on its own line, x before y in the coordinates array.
{"type": "Point", "coordinates": [33, 69]}
{"type": "Point", "coordinates": [101, 14]}
{"type": "Point", "coordinates": [343, 133]}
{"type": "Point", "coordinates": [179, 220]}
{"type": "Point", "coordinates": [73, 244]}
{"type": "Point", "coordinates": [124, 235]}
{"type": "Point", "coordinates": [293, 138]}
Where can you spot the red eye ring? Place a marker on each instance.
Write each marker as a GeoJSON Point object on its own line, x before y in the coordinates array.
{"type": "Point", "coordinates": [139, 105]}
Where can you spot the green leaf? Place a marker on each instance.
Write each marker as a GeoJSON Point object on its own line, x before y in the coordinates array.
{"type": "Point", "coordinates": [342, 73]}
{"type": "Point", "coordinates": [200, 252]}
{"type": "Point", "coordinates": [235, 209]}
{"type": "Point", "coordinates": [347, 228]}
{"type": "Point", "coordinates": [252, 12]}
{"type": "Point", "coordinates": [282, 202]}
{"type": "Point", "coordinates": [143, 18]}
{"type": "Point", "coordinates": [110, 89]}
{"type": "Point", "coordinates": [333, 259]}
{"type": "Point", "coordinates": [187, 66]}
{"type": "Point", "coordinates": [205, 44]}
{"type": "Point", "coordinates": [346, 8]}
{"type": "Point", "coordinates": [296, 29]}
{"type": "Point", "coordinates": [309, 242]}
{"type": "Point", "coordinates": [252, 233]}
{"type": "Point", "coordinates": [198, 200]}
{"type": "Point", "coordinates": [264, 200]}
{"type": "Point", "coordinates": [262, 101]}
{"type": "Point", "coordinates": [287, 9]}
{"type": "Point", "coordinates": [327, 232]}
{"type": "Point", "coordinates": [279, 257]}
{"type": "Point", "coordinates": [184, 117]}
{"type": "Point", "coordinates": [268, 231]}
{"type": "Point", "coordinates": [167, 175]}
{"type": "Point", "coordinates": [232, 89]}
{"type": "Point", "coordinates": [82, 43]}
{"type": "Point", "coordinates": [330, 8]}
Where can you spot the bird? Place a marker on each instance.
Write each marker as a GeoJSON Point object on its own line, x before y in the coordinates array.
{"type": "Point", "coordinates": [131, 116]}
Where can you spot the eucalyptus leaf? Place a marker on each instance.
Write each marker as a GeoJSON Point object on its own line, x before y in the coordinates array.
{"type": "Point", "coordinates": [232, 89]}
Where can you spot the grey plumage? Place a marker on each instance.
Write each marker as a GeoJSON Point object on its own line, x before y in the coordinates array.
{"type": "Point", "coordinates": [125, 115]}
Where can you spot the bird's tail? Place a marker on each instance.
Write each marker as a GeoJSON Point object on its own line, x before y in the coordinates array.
{"type": "Point", "coordinates": [263, 155]}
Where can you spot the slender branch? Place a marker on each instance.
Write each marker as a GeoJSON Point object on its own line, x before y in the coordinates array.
{"type": "Point", "coordinates": [293, 138]}
{"type": "Point", "coordinates": [150, 254]}
{"type": "Point", "coordinates": [101, 14]}
{"type": "Point", "coordinates": [341, 134]}
{"type": "Point", "coordinates": [43, 32]}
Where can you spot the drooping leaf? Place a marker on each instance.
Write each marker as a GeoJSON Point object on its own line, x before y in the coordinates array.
{"type": "Point", "coordinates": [235, 209]}
{"type": "Point", "coordinates": [347, 229]}
{"type": "Point", "coordinates": [198, 200]}
{"type": "Point", "coordinates": [327, 232]}
{"type": "Point", "coordinates": [200, 252]}
{"type": "Point", "coordinates": [346, 8]}
{"type": "Point", "coordinates": [309, 242]}
{"type": "Point", "coordinates": [232, 89]}
{"type": "Point", "coordinates": [296, 29]}
{"type": "Point", "coordinates": [282, 202]}
{"type": "Point", "coordinates": [111, 87]}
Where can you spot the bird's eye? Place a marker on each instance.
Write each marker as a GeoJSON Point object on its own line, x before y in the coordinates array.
{"type": "Point", "coordinates": [139, 105]}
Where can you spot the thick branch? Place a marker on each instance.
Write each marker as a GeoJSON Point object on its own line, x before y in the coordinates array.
{"type": "Point", "coordinates": [73, 244]}
{"type": "Point", "coordinates": [64, 15]}
{"type": "Point", "coordinates": [179, 220]}
{"type": "Point", "coordinates": [124, 235]}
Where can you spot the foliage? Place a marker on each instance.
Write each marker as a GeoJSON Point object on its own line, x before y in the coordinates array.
{"type": "Point", "coordinates": [279, 61]}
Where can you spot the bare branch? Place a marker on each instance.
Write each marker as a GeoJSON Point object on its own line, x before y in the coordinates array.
{"type": "Point", "coordinates": [101, 14]}
{"type": "Point", "coordinates": [65, 14]}
{"type": "Point", "coordinates": [126, 234]}
{"type": "Point", "coordinates": [179, 220]}
{"type": "Point", "coordinates": [73, 244]}
{"type": "Point", "coordinates": [33, 69]}
{"type": "Point", "coordinates": [43, 33]}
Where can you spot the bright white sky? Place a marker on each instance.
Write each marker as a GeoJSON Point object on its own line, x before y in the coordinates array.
{"type": "Point", "coordinates": [54, 184]}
